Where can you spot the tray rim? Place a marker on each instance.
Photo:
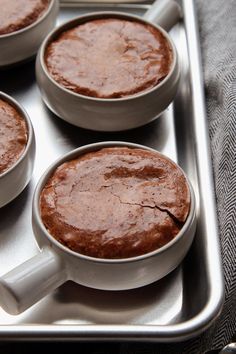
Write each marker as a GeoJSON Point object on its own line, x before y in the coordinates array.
{"type": "Point", "coordinates": [212, 309]}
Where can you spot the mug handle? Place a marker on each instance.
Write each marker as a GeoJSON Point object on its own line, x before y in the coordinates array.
{"type": "Point", "coordinates": [31, 281]}
{"type": "Point", "coordinates": [166, 13]}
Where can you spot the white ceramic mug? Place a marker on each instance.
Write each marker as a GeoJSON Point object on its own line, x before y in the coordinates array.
{"type": "Point", "coordinates": [113, 114]}
{"type": "Point", "coordinates": [23, 44]}
{"type": "Point", "coordinates": [15, 179]}
{"type": "Point", "coordinates": [55, 263]}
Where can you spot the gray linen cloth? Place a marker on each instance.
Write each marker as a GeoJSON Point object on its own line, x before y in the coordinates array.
{"type": "Point", "coordinates": [217, 25]}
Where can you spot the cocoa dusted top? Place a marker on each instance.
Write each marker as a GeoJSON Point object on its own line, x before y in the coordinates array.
{"type": "Point", "coordinates": [13, 135]}
{"type": "Point", "coordinates": [17, 14]}
{"type": "Point", "coordinates": [109, 58]}
{"type": "Point", "coordinates": [115, 203]}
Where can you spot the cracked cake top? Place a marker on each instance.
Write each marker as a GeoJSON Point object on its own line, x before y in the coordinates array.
{"type": "Point", "coordinates": [115, 202]}
{"type": "Point", "coordinates": [109, 58]}
{"type": "Point", "coordinates": [18, 14]}
{"type": "Point", "coordinates": [13, 136]}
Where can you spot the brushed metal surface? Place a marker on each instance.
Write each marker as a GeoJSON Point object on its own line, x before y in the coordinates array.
{"type": "Point", "coordinates": [186, 301]}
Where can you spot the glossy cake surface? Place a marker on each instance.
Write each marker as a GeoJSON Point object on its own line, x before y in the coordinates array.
{"type": "Point", "coordinates": [18, 14]}
{"type": "Point", "coordinates": [109, 58]}
{"type": "Point", "coordinates": [115, 203]}
{"type": "Point", "coordinates": [13, 136]}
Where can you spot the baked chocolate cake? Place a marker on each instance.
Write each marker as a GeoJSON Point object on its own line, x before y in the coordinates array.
{"type": "Point", "coordinates": [13, 135]}
{"type": "Point", "coordinates": [109, 58]}
{"type": "Point", "coordinates": [115, 202]}
{"type": "Point", "coordinates": [18, 14]}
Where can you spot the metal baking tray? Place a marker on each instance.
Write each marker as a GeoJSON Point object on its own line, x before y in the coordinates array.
{"type": "Point", "coordinates": [188, 300]}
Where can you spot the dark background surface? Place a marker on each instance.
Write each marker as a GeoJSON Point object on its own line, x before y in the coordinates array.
{"type": "Point", "coordinates": [87, 348]}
